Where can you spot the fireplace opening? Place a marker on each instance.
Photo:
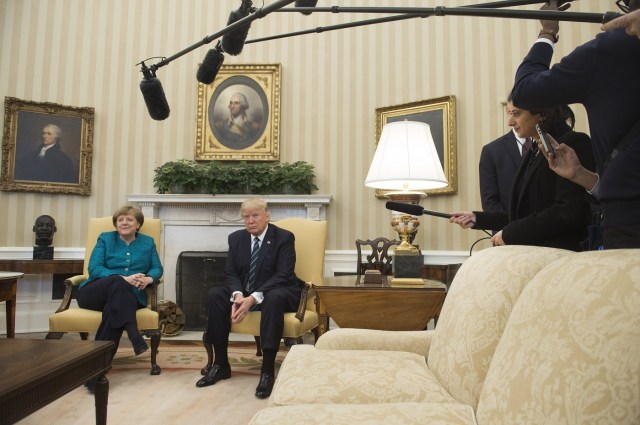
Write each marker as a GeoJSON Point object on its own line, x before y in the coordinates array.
{"type": "Point", "coordinates": [196, 272]}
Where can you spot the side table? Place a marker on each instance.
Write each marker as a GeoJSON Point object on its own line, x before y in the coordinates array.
{"type": "Point", "coordinates": [59, 268]}
{"type": "Point", "coordinates": [8, 289]}
{"type": "Point", "coordinates": [440, 272]}
{"type": "Point", "coordinates": [353, 304]}
{"type": "Point", "coordinates": [55, 266]}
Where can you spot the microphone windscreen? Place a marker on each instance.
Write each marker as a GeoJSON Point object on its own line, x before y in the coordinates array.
{"type": "Point", "coordinates": [155, 99]}
{"type": "Point", "coordinates": [233, 42]}
{"type": "Point", "coordinates": [210, 66]}
{"type": "Point", "coordinates": [306, 3]}
{"type": "Point", "coordinates": [405, 208]}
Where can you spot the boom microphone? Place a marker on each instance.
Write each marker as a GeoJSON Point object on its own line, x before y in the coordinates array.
{"type": "Point", "coordinates": [233, 42]}
{"type": "Point", "coordinates": [210, 65]}
{"type": "Point", "coordinates": [153, 94]}
{"type": "Point", "coordinates": [414, 209]}
{"type": "Point", "coordinates": [306, 3]}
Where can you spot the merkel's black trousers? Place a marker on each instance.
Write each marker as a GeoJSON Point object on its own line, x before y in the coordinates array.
{"type": "Point", "coordinates": [113, 296]}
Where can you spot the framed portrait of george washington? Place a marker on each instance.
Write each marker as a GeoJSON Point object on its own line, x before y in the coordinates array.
{"type": "Point", "coordinates": [440, 114]}
{"type": "Point", "coordinates": [238, 114]}
{"type": "Point", "coordinates": [46, 147]}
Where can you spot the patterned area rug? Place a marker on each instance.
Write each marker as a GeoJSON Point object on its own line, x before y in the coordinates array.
{"type": "Point", "coordinates": [179, 354]}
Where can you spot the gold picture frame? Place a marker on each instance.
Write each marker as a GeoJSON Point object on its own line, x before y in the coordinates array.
{"type": "Point", "coordinates": [65, 166]}
{"type": "Point", "coordinates": [252, 137]}
{"type": "Point", "coordinates": [440, 114]}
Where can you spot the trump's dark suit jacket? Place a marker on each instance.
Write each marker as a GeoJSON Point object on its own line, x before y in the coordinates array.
{"type": "Point", "coordinates": [276, 260]}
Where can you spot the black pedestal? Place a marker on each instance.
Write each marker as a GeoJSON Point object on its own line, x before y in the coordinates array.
{"type": "Point", "coordinates": [43, 253]}
{"type": "Point", "coordinates": [407, 265]}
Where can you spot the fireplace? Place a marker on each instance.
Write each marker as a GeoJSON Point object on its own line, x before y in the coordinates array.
{"type": "Point", "coordinates": [203, 222]}
{"type": "Point", "coordinates": [196, 272]}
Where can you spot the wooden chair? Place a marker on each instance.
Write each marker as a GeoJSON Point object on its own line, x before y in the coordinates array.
{"type": "Point", "coordinates": [379, 259]}
{"type": "Point", "coordinates": [83, 321]}
{"type": "Point", "coordinates": [310, 237]}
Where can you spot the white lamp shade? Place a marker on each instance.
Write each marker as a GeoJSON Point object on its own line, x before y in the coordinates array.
{"type": "Point", "coordinates": [406, 159]}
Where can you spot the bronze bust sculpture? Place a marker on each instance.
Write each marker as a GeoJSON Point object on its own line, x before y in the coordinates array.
{"type": "Point", "coordinates": [44, 229]}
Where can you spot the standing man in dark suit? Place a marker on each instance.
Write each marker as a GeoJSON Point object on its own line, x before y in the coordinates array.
{"type": "Point", "coordinates": [260, 276]}
{"type": "Point", "coordinates": [499, 162]}
{"type": "Point", "coordinates": [545, 209]}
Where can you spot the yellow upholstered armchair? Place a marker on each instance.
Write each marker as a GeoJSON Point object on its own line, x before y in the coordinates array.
{"type": "Point", "coordinates": [83, 321]}
{"type": "Point", "coordinates": [310, 237]}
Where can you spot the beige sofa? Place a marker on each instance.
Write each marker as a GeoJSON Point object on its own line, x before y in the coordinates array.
{"type": "Point", "coordinates": [527, 335]}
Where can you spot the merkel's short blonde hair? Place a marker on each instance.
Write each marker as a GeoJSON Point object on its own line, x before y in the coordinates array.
{"type": "Point", "coordinates": [128, 210]}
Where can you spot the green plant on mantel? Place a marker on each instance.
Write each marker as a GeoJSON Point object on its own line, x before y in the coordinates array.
{"type": "Point", "coordinates": [296, 178]}
{"type": "Point", "coordinates": [188, 176]}
{"type": "Point", "coordinates": [214, 179]}
{"type": "Point", "coordinates": [180, 176]}
{"type": "Point", "coordinates": [261, 179]}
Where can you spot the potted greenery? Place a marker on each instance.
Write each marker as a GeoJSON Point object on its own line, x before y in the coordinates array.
{"type": "Point", "coordinates": [261, 178]}
{"type": "Point", "coordinates": [238, 178]}
{"type": "Point", "coordinates": [296, 177]}
{"type": "Point", "coordinates": [187, 176]}
{"type": "Point", "coordinates": [214, 178]}
{"type": "Point", "coordinates": [180, 176]}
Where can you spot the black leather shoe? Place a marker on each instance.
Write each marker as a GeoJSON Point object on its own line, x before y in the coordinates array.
{"type": "Point", "coordinates": [140, 348]}
{"type": "Point", "coordinates": [214, 374]}
{"type": "Point", "coordinates": [139, 345]}
{"type": "Point", "coordinates": [263, 390]}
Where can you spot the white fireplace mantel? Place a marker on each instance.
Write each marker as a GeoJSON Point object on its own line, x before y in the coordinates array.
{"type": "Point", "coordinates": [203, 222]}
{"type": "Point", "coordinates": [307, 206]}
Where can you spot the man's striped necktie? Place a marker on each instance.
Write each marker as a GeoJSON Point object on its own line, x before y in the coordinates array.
{"type": "Point", "coordinates": [253, 264]}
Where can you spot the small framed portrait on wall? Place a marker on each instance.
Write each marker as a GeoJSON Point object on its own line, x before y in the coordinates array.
{"type": "Point", "coordinates": [46, 147]}
{"type": "Point", "coordinates": [238, 115]}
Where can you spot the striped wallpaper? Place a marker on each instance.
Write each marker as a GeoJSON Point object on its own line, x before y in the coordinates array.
{"type": "Point", "coordinates": [84, 53]}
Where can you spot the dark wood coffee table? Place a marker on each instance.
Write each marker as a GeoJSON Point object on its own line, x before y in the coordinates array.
{"type": "Point", "coordinates": [33, 373]}
{"type": "Point", "coordinates": [352, 304]}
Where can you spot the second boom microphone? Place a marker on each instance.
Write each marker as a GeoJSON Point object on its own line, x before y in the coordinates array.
{"type": "Point", "coordinates": [414, 209]}
{"type": "Point", "coordinates": [233, 42]}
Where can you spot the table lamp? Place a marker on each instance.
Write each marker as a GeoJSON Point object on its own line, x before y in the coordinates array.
{"type": "Point", "coordinates": [406, 163]}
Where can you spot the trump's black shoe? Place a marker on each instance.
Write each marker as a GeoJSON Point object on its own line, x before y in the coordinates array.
{"type": "Point", "coordinates": [263, 390]}
{"type": "Point", "coordinates": [214, 374]}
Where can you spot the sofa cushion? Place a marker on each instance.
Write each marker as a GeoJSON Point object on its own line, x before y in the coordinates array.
{"type": "Point", "coordinates": [570, 353]}
{"type": "Point", "coordinates": [309, 375]}
{"type": "Point", "coordinates": [475, 312]}
{"type": "Point", "coordinates": [393, 413]}
{"type": "Point", "coordinates": [367, 339]}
